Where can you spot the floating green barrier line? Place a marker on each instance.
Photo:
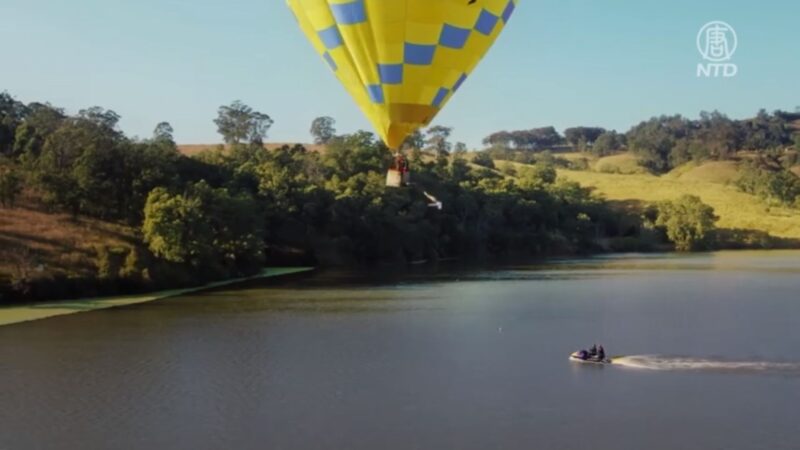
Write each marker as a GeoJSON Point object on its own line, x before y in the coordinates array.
{"type": "Point", "coordinates": [37, 311]}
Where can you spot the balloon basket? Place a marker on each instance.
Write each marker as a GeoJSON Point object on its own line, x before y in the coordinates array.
{"type": "Point", "coordinates": [397, 179]}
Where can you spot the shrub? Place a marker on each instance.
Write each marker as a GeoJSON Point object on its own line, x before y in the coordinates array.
{"type": "Point", "coordinates": [109, 261]}
{"type": "Point", "coordinates": [484, 160]}
{"type": "Point", "coordinates": [775, 186]}
{"type": "Point", "coordinates": [10, 186]}
{"type": "Point", "coordinates": [688, 222]}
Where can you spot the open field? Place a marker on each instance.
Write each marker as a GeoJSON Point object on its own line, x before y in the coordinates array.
{"type": "Point", "coordinates": [719, 172]}
{"type": "Point", "coordinates": [619, 178]}
{"type": "Point", "coordinates": [735, 209]}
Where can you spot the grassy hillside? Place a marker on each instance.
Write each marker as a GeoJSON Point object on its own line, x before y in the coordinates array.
{"type": "Point", "coordinates": [624, 163]}
{"type": "Point", "coordinates": [43, 244]}
{"type": "Point", "coordinates": [735, 209]}
{"type": "Point", "coordinates": [718, 172]}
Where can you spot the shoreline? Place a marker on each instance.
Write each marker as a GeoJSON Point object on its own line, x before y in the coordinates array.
{"type": "Point", "coordinates": [10, 315]}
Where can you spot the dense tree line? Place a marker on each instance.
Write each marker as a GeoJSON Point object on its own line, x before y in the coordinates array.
{"type": "Point", "coordinates": [533, 139]}
{"type": "Point", "coordinates": [230, 210]}
{"type": "Point", "coordinates": [662, 142]}
{"type": "Point", "coordinates": [668, 141]}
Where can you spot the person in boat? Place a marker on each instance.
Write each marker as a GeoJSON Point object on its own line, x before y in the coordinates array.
{"type": "Point", "coordinates": [583, 354]}
{"type": "Point", "coordinates": [601, 353]}
{"type": "Point", "coordinates": [593, 351]}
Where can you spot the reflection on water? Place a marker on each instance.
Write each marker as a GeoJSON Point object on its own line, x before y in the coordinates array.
{"type": "Point", "coordinates": [776, 261]}
{"type": "Point", "coordinates": [439, 357]}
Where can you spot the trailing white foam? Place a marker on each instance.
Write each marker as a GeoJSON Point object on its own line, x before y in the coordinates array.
{"type": "Point", "coordinates": [675, 363]}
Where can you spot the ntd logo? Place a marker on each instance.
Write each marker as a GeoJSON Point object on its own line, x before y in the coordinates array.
{"type": "Point", "coordinates": [717, 42]}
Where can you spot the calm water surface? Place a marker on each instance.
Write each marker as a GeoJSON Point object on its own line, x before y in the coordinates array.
{"type": "Point", "coordinates": [430, 360]}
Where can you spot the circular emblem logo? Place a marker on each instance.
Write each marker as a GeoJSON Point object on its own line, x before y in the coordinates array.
{"type": "Point", "coordinates": [717, 41]}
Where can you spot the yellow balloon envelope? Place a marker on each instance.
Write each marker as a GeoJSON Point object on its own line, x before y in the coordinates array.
{"type": "Point", "coordinates": [402, 60]}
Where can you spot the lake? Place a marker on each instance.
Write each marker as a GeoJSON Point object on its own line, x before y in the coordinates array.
{"type": "Point", "coordinates": [431, 359]}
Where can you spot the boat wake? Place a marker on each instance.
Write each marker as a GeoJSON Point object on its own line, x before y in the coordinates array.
{"type": "Point", "coordinates": [682, 363]}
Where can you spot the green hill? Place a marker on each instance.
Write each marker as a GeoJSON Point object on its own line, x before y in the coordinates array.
{"type": "Point", "coordinates": [719, 172]}
{"type": "Point", "coordinates": [735, 209]}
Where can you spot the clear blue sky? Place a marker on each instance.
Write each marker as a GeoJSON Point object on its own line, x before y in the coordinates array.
{"type": "Point", "coordinates": [560, 62]}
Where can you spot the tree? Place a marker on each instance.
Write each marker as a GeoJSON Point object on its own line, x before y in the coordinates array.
{"type": "Point", "coordinates": [238, 122]}
{"type": "Point", "coordinates": [765, 131]}
{"type": "Point", "coordinates": [717, 134]}
{"type": "Point", "coordinates": [86, 166]}
{"type": "Point", "coordinates": [655, 139]}
{"type": "Point", "coordinates": [582, 137]}
{"type": "Point", "coordinates": [438, 142]}
{"type": "Point", "coordinates": [533, 139]}
{"type": "Point", "coordinates": [688, 222]}
{"type": "Point", "coordinates": [356, 153]}
{"type": "Point", "coordinates": [483, 159]}
{"type": "Point", "coordinates": [608, 143]}
{"type": "Point", "coordinates": [237, 222]}
{"type": "Point", "coordinates": [163, 133]}
{"type": "Point", "coordinates": [12, 113]}
{"type": "Point", "coordinates": [414, 141]}
{"type": "Point", "coordinates": [537, 138]}
{"type": "Point", "coordinates": [499, 139]}
{"type": "Point", "coordinates": [41, 121]}
{"type": "Point", "coordinates": [103, 118]}
{"type": "Point", "coordinates": [438, 139]}
{"type": "Point", "coordinates": [204, 227]}
{"type": "Point", "coordinates": [10, 185]}
{"type": "Point", "coordinates": [176, 228]}
{"type": "Point", "coordinates": [775, 185]}
{"type": "Point", "coordinates": [147, 165]}
{"type": "Point", "coordinates": [537, 176]}
{"type": "Point", "coordinates": [78, 167]}
{"type": "Point", "coordinates": [323, 129]}
{"type": "Point", "coordinates": [459, 170]}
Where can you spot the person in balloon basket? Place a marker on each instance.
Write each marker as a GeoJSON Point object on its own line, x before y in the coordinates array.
{"type": "Point", "coordinates": [401, 165]}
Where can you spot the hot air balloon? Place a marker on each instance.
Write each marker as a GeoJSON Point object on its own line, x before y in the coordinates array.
{"type": "Point", "coordinates": [401, 60]}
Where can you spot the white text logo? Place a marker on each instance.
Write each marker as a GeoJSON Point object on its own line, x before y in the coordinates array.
{"type": "Point", "coordinates": [717, 42]}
